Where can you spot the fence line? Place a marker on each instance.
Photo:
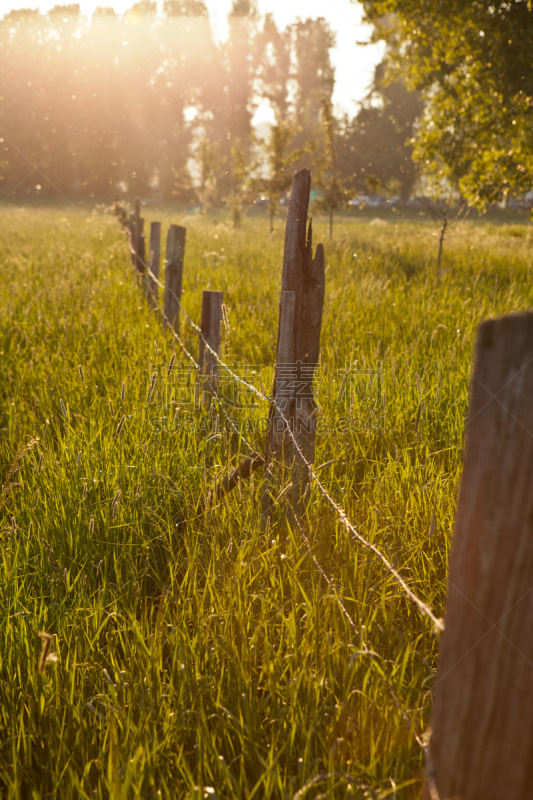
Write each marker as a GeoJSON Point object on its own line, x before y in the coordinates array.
{"type": "Point", "coordinates": [422, 607]}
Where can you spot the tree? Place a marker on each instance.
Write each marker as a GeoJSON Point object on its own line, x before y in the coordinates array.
{"type": "Point", "coordinates": [241, 168]}
{"type": "Point", "coordinates": [313, 71]}
{"type": "Point", "coordinates": [225, 102]}
{"type": "Point", "coordinates": [472, 64]}
{"type": "Point", "coordinates": [76, 98]}
{"type": "Point", "coordinates": [374, 147]}
{"type": "Point", "coordinates": [294, 74]}
{"type": "Point", "coordinates": [185, 8]}
{"type": "Point", "coordinates": [189, 59]}
{"type": "Point", "coordinates": [240, 62]}
{"type": "Point", "coordinates": [209, 164]}
{"type": "Point", "coordinates": [274, 67]}
{"type": "Point", "coordinates": [333, 192]}
{"type": "Point", "coordinates": [280, 160]}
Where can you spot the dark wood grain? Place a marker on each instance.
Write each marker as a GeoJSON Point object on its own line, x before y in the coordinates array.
{"type": "Point", "coordinates": [175, 255]}
{"type": "Point", "coordinates": [482, 742]}
{"type": "Point", "coordinates": [210, 327]}
{"type": "Point", "coordinates": [154, 259]}
{"type": "Point", "coordinates": [298, 345]}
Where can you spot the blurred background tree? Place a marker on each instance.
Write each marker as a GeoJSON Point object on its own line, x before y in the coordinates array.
{"type": "Point", "coordinates": [471, 62]}
{"type": "Point", "coordinates": [279, 159]}
{"type": "Point", "coordinates": [376, 142]}
{"type": "Point", "coordinates": [333, 193]}
{"type": "Point", "coordinates": [242, 169]}
{"type": "Point", "coordinates": [274, 68]}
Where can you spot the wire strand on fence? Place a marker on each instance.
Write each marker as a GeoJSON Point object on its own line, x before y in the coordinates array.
{"type": "Point", "coordinates": [328, 580]}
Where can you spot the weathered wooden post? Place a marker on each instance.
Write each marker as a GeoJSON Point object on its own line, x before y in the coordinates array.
{"type": "Point", "coordinates": [301, 304]}
{"type": "Point", "coordinates": [174, 274]}
{"type": "Point", "coordinates": [482, 740]}
{"type": "Point", "coordinates": [154, 259]}
{"type": "Point", "coordinates": [278, 442]}
{"type": "Point", "coordinates": [133, 238]}
{"type": "Point", "coordinates": [137, 244]}
{"type": "Point", "coordinates": [210, 327]}
{"type": "Point", "coordinates": [139, 254]}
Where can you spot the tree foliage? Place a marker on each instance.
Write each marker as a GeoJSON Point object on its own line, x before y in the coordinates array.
{"type": "Point", "coordinates": [472, 64]}
{"type": "Point", "coordinates": [314, 74]}
{"type": "Point", "coordinates": [274, 68]}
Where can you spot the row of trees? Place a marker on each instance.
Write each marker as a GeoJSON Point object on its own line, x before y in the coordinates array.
{"type": "Point", "coordinates": [153, 102]}
{"type": "Point", "coordinates": [148, 100]}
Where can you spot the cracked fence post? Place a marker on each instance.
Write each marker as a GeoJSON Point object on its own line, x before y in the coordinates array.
{"type": "Point", "coordinates": [301, 304]}
{"type": "Point", "coordinates": [482, 740]}
{"type": "Point", "coordinates": [174, 275]}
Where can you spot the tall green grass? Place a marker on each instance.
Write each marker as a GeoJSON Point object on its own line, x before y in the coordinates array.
{"type": "Point", "coordinates": [202, 655]}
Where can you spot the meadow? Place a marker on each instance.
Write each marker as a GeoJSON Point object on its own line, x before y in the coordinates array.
{"type": "Point", "coordinates": [202, 653]}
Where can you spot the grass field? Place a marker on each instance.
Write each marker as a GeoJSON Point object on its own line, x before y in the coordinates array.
{"type": "Point", "coordinates": [203, 656]}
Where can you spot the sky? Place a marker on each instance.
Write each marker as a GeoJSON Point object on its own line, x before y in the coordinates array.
{"type": "Point", "coordinates": [354, 64]}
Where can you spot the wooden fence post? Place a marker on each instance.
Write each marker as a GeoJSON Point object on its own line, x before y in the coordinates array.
{"type": "Point", "coordinates": [482, 740]}
{"type": "Point", "coordinates": [133, 237]}
{"type": "Point", "coordinates": [301, 304]}
{"type": "Point", "coordinates": [136, 231]}
{"type": "Point", "coordinates": [140, 248]}
{"type": "Point", "coordinates": [174, 274]}
{"type": "Point", "coordinates": [210, 327]}
{"type": "Point", "coordinates": [154, 259]}
{"type": "Point", "coordinates": [284, 385]}
{"type": "Point", "coordinates": [138, 234]}
{"type": "Point", "coordinates": [140, 254]}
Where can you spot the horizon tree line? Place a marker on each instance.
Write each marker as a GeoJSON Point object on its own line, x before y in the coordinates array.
{"type": "Point", "coordinates": [150, 102]}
